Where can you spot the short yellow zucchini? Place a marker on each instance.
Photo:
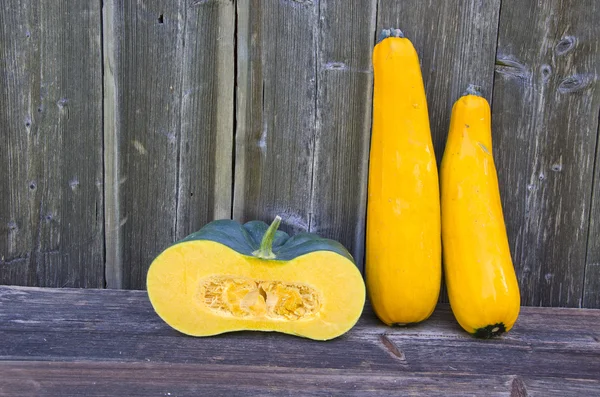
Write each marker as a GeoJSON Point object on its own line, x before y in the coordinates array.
{"type": "Point", "coordinates": [479, 273]}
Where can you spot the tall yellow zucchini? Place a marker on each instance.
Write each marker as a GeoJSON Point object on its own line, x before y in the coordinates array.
{"type": "Point", "coordinates": [403, 247]}
{"type": "Point", "coordinates": [481, 280]}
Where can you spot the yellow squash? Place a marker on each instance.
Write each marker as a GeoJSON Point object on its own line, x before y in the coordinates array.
{"type": "Point", "coordinates": [481, 280]}
{"type": "Point", "coordinates": [403, 247]}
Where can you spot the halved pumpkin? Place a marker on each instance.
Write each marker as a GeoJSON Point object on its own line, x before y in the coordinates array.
{"type": "Point", "coordinates": [230, 277]}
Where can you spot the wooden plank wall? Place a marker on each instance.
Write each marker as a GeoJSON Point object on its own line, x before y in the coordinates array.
{"type": "Point", "coordinates": [159, 116]}
{"type": "Point", "coordinates": [545, 114]}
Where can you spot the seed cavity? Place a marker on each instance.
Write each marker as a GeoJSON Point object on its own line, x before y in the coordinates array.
{"type": "Point", "coordinates": [248, 298]}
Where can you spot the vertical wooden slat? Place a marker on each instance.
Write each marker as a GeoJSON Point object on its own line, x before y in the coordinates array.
{"type": "Point", "coordinates": [148, 39]}
{"type": "Point", "coordinates": [591, 288]}
{"type": "Point", "coordinates": [51, 202]}
{"type": "Point", "coordinates": [206, 145]}
{"type": "Point", "coordinates": [276, 115]}
{"type": "Point", "coordinates": [171, 142]}
{"type": "Point", "coordinates": [545, 118]}
{"type": "Point", "coordinates": [303, 118]}
{"type": "Point", "coordinates": [344, 94]}
{"type": "Point", "coordinates": [113, 246]}
{"type": "Point", "coordinates": [456, 43]}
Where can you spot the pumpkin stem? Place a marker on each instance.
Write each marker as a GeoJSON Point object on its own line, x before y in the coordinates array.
{"type": "Point", "coordinates": [266, 245]}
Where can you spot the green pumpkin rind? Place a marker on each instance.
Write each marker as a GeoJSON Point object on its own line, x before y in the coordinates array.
{"type": "Point", "coordinates": [245, 239]}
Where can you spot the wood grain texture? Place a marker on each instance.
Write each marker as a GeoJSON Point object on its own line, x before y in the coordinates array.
{"type": "Point", "coordinates": [51, 203]}
{"type": "Point", "coordinates": [150, 379]}
{"type": "Point", "coordinates": [343, 126]}
{"type": "Point", "coordinates": [276, 111]}
{"type": "Point", "coordinates": [545, 118]}
{"type": "Point", "coordinates": [171, 146]}
{"type": "Point", "coordinates": [206, 145]}
{"type": "Point", "coordinates": [61, 341]}
{"type": "Point", "coordinates": [456, 43]}
{"type": "Point", "coordinates": [303, 119]}
{"type": "Point", "coordinates": [591, 288]}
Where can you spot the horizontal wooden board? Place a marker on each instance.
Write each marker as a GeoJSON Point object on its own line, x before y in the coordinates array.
{"type": "Point", "coordinates": [149, 379]}
{"type": "Point", "coordinates": [120, 326]}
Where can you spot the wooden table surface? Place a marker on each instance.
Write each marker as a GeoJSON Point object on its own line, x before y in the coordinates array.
{"type": "Point", "coordinates": [72, 342]}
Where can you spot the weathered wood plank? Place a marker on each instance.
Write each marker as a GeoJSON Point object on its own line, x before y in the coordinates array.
{"type": "Point", "coordinates": [146, 379]}
{"type": "Point", "coordinates": [170, 141]}
{"type": "Point", "coordinates": [276, 111]}
{"type": "Point", "coordinates": [545, 118]}
{"type": "Point", "coordinates": [303, 119]}
{"type": "Point", "coordinates": [456, 43]}
{"type": "Point", "coordinates": [51, 203]}
{"type": "Point", "coordinates": [132, 312]}
{"type": "Point", "coordinates": [344, 102]}
{"type": "Point", "coordinates": [206, 147]}
{"type": "Point", "coordinates": [147, 74]}
{"type": "Point", "coordinates": [94, 325]}
{"type": "Point", "coordinates": [113, 246]}
{"type": "Point", "coordinates": [591, 288]}
{"type": "Point", "coordinates": [524, 387]}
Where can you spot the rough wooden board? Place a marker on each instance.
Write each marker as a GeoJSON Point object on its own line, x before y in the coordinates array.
{"type": "Point", "coordinates": [145, 379]}
{"type": "Point", "coordinates": [95, 325]}
{"type": "Point", "coordinates": [206, 145]}
{"type": "Point", "coordinates": [51, 202]}
{"type": "Point", "coordinates": [113, 242]}
{"type": "Point", "coordinates": [172, 136]}
{"type": "Point", "coordinates": [276, 117]}
{"type": "Point", "coordinates": [148, 80]}
{"type": "Point", "coordinates": [131, 312]}
{"type": "Point", "coordinates": [545, 118]}
{"type": "Point", "coordinates": [354, 352]}
{"type": "Point", "coordinates": [525, 387]}
{"type": "Point", "coordinates": [343, 127]}
{"type": "Point", "coordinates": [591, 288]}
{"type": "Point", "coordinates": [456, 43]}
{"type": "Point", "coordinates": [303, 118]}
